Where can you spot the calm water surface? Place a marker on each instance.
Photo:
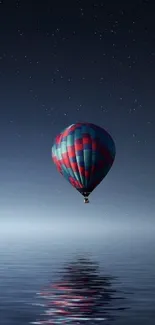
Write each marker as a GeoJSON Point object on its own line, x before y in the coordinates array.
{"type": "Point", "coordinates": [30, 263]}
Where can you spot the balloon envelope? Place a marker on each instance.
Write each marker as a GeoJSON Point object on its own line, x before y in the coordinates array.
{"type": "Point", "coordinates": [84, 153]}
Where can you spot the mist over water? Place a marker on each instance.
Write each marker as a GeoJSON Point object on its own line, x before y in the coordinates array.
{"type": "Point", "coordinates": [32, 255]}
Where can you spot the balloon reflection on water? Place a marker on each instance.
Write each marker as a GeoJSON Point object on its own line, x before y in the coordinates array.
{"type": "Point", "coordinates": [82, 295]}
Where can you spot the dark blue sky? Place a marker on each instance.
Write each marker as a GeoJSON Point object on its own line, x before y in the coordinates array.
{"type": "Point", "coordinates": [68, 61]}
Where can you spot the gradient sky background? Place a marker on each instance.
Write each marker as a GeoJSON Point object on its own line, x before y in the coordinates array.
{"type": "Point", "coordinates": [68, 61]}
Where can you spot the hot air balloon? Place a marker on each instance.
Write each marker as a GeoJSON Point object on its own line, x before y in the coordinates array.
{"type": "Point", "coordinates": [84, 153]}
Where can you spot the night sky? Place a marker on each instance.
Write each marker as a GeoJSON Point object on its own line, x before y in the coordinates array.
{"type": "Point", "coordinates": [67, 61]}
